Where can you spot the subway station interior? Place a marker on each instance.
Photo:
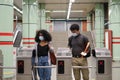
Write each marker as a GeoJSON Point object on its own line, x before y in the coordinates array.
{"type": "Point", "coordinates": [20, 20]}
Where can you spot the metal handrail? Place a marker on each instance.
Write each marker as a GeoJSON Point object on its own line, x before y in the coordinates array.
{"type": "Point", "coordinates": [45, 66]}
{"type": "Point", "coordinates": [83, 67]}
{"type": "Point", "coordinates": [8, 67]}
{"type": "Point", "coordinates": [91, 66]}
{"type": "Point", "coordinates": [116, 67]}
{"type": "Point", "coordinates": [55, 67]}
{"type": "Point", "coordinates": [72, 66]}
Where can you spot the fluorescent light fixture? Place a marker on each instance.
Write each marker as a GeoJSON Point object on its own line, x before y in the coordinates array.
{"type": "Point", "coordinates": [72, 1]}
{"type": "Point", "coordinates": [64, 11]}
{"type": "Point", "coordinates": [59, 11]}
{"type": "Point", "coordinates": [47, 11]}
{"type": "Point", "coordinates": [17, 9]}
{"type": "Point", "coordinates": [56, 11]}
{"type": "Point", "coordinates": [77, 11]}
{"type": "Point", "coordinates": [69, 9]}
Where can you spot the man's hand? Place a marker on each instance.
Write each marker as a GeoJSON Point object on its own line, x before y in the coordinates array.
{"type": "Point", "coordinates": [83, 53]}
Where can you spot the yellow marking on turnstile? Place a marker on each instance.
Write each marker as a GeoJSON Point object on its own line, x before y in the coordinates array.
{"type": "Point", "coordinates": [8, 73]}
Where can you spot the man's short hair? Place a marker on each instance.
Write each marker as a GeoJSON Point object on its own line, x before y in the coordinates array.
{"type": "Point", "coordinates": [74, 27]}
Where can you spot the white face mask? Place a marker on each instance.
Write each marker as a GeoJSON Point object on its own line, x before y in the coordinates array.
{"type": "Point", "coordinates": [74, 34]}
{"type": "Point", "coordinates": [41, 38]}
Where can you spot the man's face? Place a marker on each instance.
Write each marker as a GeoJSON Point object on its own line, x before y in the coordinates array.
{"type": "Point", "coordinates": [75, 31]}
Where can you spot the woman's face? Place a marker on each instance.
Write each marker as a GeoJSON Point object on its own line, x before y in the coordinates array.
{"type": "Point", "coordinates": [41, 38]}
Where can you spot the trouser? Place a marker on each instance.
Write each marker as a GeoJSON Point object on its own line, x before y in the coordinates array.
{"type": "Point", "coordinates": [85, 72]}
{"type": "Point", "coordinates": [44, 73]}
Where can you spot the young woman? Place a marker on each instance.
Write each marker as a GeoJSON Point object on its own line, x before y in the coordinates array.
{"type": "Point", "coordinates": [42, 39]}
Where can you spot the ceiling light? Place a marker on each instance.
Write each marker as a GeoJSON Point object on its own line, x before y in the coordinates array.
{"type": "Point", "coordinates": [17, 9]}
{"type": "Point", "coordinates": [72, 1]}
{"type": "Point", "coordinates": [69, 9]}
{"type": "Point", "coordinates": [47, 11]}
{"type": "Point", "coordinates": [59, 11]}
{"type": "Point", "coordinates": [77, 11]}
{"type": "Point", "coordinates": [56, 11]}
{"type": "Point", "coordinates": [63, 11]}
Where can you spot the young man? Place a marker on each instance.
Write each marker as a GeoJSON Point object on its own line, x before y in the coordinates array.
{"type": "Point", "coordinates": [78, 43]}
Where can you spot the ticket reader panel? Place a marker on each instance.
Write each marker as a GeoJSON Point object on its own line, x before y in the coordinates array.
{"type": "Point", "coordinates": [20, 66]}
{"type": "Point", "coordinates": [60, 67]}
{"type": "Point", "coordinates": [101, 66]}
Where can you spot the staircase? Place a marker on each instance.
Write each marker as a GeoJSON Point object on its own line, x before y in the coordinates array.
{"type": "Point", "coordinates": [59, 39]}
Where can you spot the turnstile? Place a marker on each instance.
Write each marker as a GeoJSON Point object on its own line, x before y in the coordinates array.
{"type": "Point", "coordinates": [1, 64]}
{"type": "Point", "coordinates": [24, 64]}
{"type": "Point", "coordinates": [64, 66]}
{"type": "Point", "coordinates": [103, 64]}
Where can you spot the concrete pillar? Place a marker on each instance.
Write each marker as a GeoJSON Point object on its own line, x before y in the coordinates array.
{"type": "Point", "coordinates": [30, 21]}
{"type": "Point", "coordinates": [114, 25]}
{"type": "Point", "coordinates": [48, 23]}
{"type": "Point", "coordinates": [99, 25]}
{"type": "Point", "coordinates": [6, 36]}
{"type": "Point", "coordinates": [42, 16]}
{"type": "Point", "coordinates": [89, 22]}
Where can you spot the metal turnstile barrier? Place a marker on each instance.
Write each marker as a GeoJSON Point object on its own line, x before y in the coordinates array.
{"type": "Point", "coordinates": [64, 66]}
{"type": "Point", "coordinates": [24, 64]}
{"type": "Point", "coordinates": [103, 64]}
{"type": "Point", "coordinates": [102, 67]}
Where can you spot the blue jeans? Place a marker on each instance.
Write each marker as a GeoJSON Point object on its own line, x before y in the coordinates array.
{"type": "Point", "coordinates": [44, 73]}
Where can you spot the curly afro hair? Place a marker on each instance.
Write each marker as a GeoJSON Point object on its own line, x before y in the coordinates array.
{"type": "Point", "coordinates": [45, 34]}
